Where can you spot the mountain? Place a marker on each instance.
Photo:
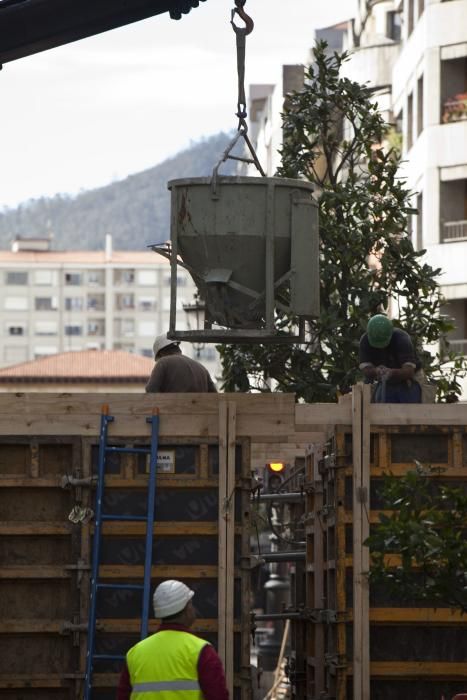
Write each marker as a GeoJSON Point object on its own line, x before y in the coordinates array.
{"type": "Point", "coordinates": [136, 211]}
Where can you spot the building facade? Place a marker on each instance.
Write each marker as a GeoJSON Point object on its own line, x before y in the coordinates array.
{"type": "Point", "coordinates": [59, 301]}
{"type": "Point", "coordinates": [429, 91]}
{"type": "Point", "coordinates": [413, 53]}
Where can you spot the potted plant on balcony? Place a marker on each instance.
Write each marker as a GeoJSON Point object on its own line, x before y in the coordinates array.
{"type": "Point", "coordinates": [455, 108]}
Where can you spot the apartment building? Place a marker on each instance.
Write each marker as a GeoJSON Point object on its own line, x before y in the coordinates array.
{"type": "Point", "coordinates": [413, 53]}
{"type": "Point", "coordinates": [429, 89]}
{"type": "Point", "coordinates": [58, 301]}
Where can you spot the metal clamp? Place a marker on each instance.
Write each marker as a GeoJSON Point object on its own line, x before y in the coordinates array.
{"type": "Point", "coordinates": [68, 481]}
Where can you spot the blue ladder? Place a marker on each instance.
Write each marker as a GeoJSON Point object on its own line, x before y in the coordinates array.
{"type": "Point", "coordinates": [101, 517]}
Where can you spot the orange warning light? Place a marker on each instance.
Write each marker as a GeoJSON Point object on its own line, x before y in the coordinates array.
{"type": "Point", "coordinates": [276, 466]}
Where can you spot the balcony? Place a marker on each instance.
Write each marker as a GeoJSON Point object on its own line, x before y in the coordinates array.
{"type": "Point", "coordinates": [453, 231]}
{"type": "Point", "coordinates": [459, 346]}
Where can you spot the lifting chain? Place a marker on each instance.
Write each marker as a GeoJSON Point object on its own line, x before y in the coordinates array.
{"type": "Point", "coordinates": [242, 130]}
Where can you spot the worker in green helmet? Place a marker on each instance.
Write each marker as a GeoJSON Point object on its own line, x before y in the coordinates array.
{"type": "Point", "coordinates": [387, 356]}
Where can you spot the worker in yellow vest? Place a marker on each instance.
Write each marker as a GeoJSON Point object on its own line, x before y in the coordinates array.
{"type": "Point", "coordinates": [173, 663]}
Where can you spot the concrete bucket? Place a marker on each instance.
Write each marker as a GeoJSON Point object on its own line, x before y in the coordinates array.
{"type": "Point", "coordinates": [242, 239]}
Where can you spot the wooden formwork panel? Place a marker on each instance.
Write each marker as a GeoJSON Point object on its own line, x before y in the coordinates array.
{"type": "Point", "coordinates": [45, 558]}
{"type": "Point", "coordinates": [44, 580]}
{"type": "Point", "coordinates": [412, 650]}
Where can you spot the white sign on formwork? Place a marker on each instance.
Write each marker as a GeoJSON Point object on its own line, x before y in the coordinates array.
{"type": "Point", "coordinates": [166, 461]}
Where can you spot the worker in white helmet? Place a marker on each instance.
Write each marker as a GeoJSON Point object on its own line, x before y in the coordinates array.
{"type": "Point", "coordinates": [174, 372]}
{"type": "Point", "coordinates": [173, 663]}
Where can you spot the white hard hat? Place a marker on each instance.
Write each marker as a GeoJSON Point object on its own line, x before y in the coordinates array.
{"type": "Point", "coordinates": [162, 342]}
{"type": "Point", "coordinates": [170, 597]}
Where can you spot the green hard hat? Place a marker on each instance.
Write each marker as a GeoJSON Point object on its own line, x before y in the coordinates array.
{"type": "Point", "coordinates": [379, 331]}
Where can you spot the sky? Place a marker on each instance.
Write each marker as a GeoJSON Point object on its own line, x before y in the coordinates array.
{"type": "Point", "coordinates": [97, 110]}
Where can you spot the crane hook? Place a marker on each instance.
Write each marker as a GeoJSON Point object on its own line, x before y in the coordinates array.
{"type": "Point", "coordinates": [238, 10]}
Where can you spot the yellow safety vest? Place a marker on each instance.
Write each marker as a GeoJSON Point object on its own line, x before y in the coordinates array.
{"type": "Point", "coordinates": [165, 667]}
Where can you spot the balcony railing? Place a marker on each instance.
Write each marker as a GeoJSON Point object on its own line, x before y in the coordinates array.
{"type": "Point", "coordinates": [459, 346]}
{"type": "Point", "coordinates": [455, 109]}
{"type": "Point", "coordinates": [453, 231]}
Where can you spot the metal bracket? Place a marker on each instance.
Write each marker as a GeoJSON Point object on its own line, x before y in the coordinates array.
{"type": "Point", "coordinates": [68, 627]}
{"type": "Point", "coordinates": [335, 662]}
{"type": "Point", "coordinates": [322, 616]}
{"type": "Point", "coordinates": [326, 511]}
{"type": "Point", "coordinates": [328, 462]}
{"type": "Point", "coordinates": [68, 481]}
{"type": "Point", "coordinates": [80, 567]}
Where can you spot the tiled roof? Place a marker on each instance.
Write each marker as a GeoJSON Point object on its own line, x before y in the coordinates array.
{"type": "Point", "coordinates": [83, 366]}
{"type": "Point", "coordinates": [93, 257]}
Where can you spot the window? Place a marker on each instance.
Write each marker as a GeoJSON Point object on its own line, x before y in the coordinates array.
{"type": "Point", "coordinates": [124, 276]}
{"type": "Point", "coordinates": [147, 277]}
{"type": "Point", "coordinates": [96, 302]}
{"type": "Point", "coordinates": [45, 303]}
{"type": "Point", "coordinates": [420, 221]}
{"type": "Point", "coordinates": [73, 278]}
{"type": "Point", "coordinates": [126, 347]}
{"type": "Point", "coordinates": [410, 121]}
{"type": "Point", "coordinates": [46, 328]}
{"type": "Point", "coordinates": [96, 278]}
{"type": "Point", "coordinates": [125, 327]}
{"type": "Point", "coordinates": [399, 131]}
{"type": "Point", "coordinates": [73, 330]}
{"type": "Point", "coordinates": [44, 351]}
{"type": "Point", "coordinates": [14, 354]}
{"type": "Point", "coordinates": [16, 304]}
{"type": "Point", "coordinates": [124, 301]}
{"type": "Point", "coordinates": [73, 303]}
{"type": "Point", "coordinates": [181, 281]}
{"type": "Point", "coordinates": [147, 328]}
{"type": "Point", "coordinates": [393, 26]}
{"type": "Point", "coordinates": [45, 277]}
{"type": "Point", "coordinates": [17, 278]}
{"type": "Point", "coordinates": [410, 17]}
{"type": "Point", "coordinates": [147, 304]}
{"type": "Point", "coordinates": [96, 327]}
{"type": "Point", "coordinates": [207, 353]}
{"type": "Point", "coordinates": [16, 330]}
{"type": "Point", "coordinates": [420, 105]}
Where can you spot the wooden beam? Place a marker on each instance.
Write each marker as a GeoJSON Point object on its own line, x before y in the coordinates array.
{"type": "Point", "coordinates": [34, 572]}
{"type": "Point", "coordinates": [108, 571]}
{"type": "Point", "coordinates": [14, 527]}
{"type": "Point", "coordinates": [222, 557]}
{"type": "Point", "coordinates": [358, 621]}
{"type": "Point", "coordinates": [433, 670]}
{"type": "Point", "coordinates": [229, 515]}
{"type": "Point", "coordinates": [420, 616]}
{"type": "Point", "coordinates": [312, 417]}
{"type": "Point", "coordinates": [365, 533]}
{"type": "Point", "coordinates": [418, 414]}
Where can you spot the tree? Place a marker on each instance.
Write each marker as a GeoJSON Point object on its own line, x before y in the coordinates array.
{"type": "Point", "coordinates": [426, 530]}
{"type": "Point", "coordinates": [334, 137]}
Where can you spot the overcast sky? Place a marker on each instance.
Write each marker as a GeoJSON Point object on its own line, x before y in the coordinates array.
{"type": "Point", "coordinates": [97, 110]}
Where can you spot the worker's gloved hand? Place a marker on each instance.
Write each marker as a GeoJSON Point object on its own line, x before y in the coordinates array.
{"type": "Point", "coordinates": [383, 372]}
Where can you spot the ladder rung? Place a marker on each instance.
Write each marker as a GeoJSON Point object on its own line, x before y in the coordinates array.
{"type": "Point", "coordinates": [131, 450]}
{"type": "Point", "coordinates": [108, 657]}
{"type": "Point", "coordinates": [137, 518]}
{"type": "Point", "coordinates": [121, 586]}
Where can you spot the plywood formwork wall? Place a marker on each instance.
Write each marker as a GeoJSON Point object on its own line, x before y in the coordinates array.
{"type": "Point", "coordinates": [201, 533]}
{"type": "Point", "coordinates": [376, 647]}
